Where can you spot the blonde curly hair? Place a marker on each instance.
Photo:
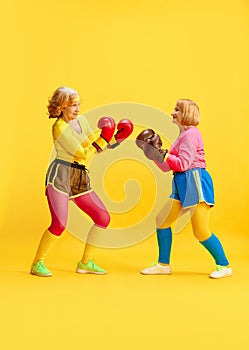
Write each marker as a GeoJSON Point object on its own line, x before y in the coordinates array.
{"type": "Point", "coordinates": [190, 112]}
{"type": "Point", "coordinates": [62, 97]}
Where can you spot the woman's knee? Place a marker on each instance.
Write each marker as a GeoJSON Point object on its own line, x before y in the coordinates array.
{"type": "Point", "coordinates": [102, 219]}
{"type": "Point", "coordinates": [200, 222]}
{"type": "Point", "coordinates": [202, 235]}
{"type": "Point", "coordinates": [57, 228]}
{"type": "Point", "coordinates": [162, 224]}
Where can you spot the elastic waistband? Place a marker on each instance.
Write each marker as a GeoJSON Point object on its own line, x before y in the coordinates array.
{"type": "Point", "coordinates": [187, 171]}
{"type": "Point", "coordinates": [72, 165]}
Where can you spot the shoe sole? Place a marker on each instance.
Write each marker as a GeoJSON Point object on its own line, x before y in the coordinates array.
{"type": "Point", "coordinates": [90, 272]}
{"type": "Point", "coordinates": [217, 278]}
{"type": "Point", "coordinates": [40, 274]}
{"type": "Point", "coordinates": [158, 273]}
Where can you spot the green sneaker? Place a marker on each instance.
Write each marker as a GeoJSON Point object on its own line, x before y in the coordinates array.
{"type": "Point", "coordinates": [39, 269]}
{"type": "Point", "coordinates": [90, 267]}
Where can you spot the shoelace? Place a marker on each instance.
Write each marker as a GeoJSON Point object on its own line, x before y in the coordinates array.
{"type": "Point", "coordinates": [92, 264]}
{"type": "Point", "coordinates": [40, 264]}
{"type": "Point", "coordinates": [219, 268]}
{"type": "Point", "coordinates": [41, 267]}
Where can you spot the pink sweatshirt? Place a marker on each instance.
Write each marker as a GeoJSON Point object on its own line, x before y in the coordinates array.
{"type": "Point", "coordinates": [187, 152]}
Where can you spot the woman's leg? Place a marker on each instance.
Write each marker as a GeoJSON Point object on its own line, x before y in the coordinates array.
{"type": "Point", "coordinates": [169, 213]}
{"type": "Point", "coordinates": [91, 204]}
{"type": "Point", "coordinates": [166, 217]}
{"type": "Point", "coordinates": [164, 220]}
{"type": "Point", "coordinates": [200, 221]}
{"type": "Point", "coordinates": [200, 225]}
{"type": "Point", "coordinates": [58, 205]}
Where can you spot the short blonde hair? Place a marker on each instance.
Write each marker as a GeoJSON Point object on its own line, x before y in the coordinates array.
{"type": "Point", "coordinates": [62, 97]}
{"type": "Point", "coordinates": [190, 112]}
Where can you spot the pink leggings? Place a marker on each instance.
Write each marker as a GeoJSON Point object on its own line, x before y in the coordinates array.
{"type": "Point", "coordinates": [89, 202]}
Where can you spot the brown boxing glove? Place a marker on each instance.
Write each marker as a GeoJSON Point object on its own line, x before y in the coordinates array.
{"type": "Point", "coordinates": [151, 144]}
{"type": "Point", "coordinates": [143, 137]}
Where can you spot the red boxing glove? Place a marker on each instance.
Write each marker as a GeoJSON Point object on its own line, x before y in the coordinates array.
{"type": "Point", "coordinates": [107, 124]}
{"type": "Point", "coordinates": [125, 128]}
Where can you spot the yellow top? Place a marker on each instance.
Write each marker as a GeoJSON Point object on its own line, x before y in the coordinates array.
{"type": "Point", "coordinates": [72, 146]}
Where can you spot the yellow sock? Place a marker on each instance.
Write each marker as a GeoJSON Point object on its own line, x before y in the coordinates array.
{"type": "Point", "coordinates": [89, 253]}
{"type": "Point", "coordinates": [92, 243]}
{"type": "Point", "coordinates": [47, 241]}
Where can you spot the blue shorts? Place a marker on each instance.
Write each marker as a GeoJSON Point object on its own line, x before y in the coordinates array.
{"type": "Point", "coordinates": [193, 186]}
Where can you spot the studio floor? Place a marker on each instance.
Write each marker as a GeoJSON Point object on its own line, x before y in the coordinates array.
{"type": "Point", "coordinates": [124, 309]}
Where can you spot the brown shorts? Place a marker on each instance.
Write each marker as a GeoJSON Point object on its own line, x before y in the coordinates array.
{"type": "Point", "coordinates": [69, 178]}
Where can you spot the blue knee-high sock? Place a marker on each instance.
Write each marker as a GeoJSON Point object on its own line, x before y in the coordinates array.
{"type": "Point", "coordinates": [164, 239]}
{"type": "Point", "coordinates": [213, 245]}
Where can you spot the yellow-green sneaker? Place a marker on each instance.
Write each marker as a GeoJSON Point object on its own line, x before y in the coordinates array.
{"type": "Point", "coordinates": [90, 267]}
{"type": "Point", "coordinates": [39, 269]}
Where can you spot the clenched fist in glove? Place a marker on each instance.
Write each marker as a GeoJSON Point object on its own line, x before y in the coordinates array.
{"type": "Point", "coordinates": [151, 144]}
{"type": "Point", "coordinates": [107, 126]}
{"type": "Point", "coordinates": [125, 128]}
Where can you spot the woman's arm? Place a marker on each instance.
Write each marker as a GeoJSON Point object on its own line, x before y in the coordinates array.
{"type": "Point", "coordinates": [63, 135]}
{"type": "Point", "coordinates": [185, 156]}
{"type": "Point", "coordinates": [163, 166]}
{"type": "Point", "coordinates": [181, 159]}
{"type": "Point", "coordinates": [91, 136]}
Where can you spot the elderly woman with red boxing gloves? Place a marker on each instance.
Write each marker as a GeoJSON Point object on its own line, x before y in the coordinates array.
{"type": "Point", "coordinates": [192, 188]}
{"type": "Point", "coordinates": [67, 177]}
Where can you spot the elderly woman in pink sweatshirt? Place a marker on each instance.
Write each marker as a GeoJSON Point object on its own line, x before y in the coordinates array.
{"type": "Point", "coordinates": [192, 188]}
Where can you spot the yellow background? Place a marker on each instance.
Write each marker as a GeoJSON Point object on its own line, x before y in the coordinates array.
{"type": "Point", "coordinates": [149, 52]}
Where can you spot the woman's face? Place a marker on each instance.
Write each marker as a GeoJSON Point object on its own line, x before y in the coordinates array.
{"type": "Point", "coordinates": [177, 116]}
{"type": "Point", "coordinates": [71, 111]}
